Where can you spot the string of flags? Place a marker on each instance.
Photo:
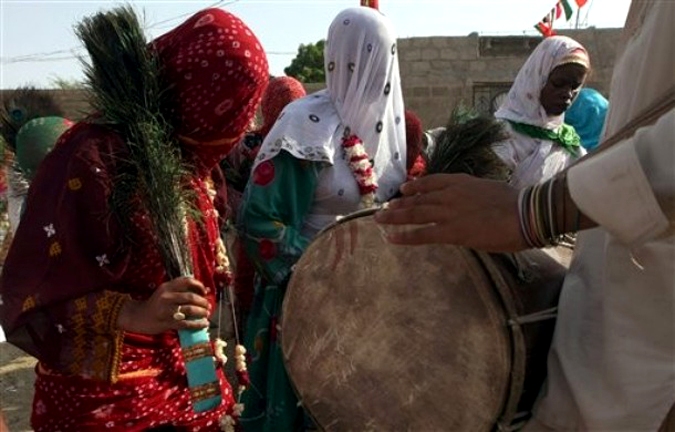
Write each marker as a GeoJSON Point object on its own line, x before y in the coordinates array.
{"type": "Point", "coordinates": [544, 26]}
{"type": "Point", "coordinates": [562, 7]}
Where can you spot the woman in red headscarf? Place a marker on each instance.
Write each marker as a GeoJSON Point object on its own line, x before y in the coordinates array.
{"type": "Point", "coordinates": [85, 287]}
{"type": "Point", "coordinates": [237, 168]}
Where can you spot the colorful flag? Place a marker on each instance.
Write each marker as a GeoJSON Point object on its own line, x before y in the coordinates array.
{"type": "Point", "coordinates": [371, 3]}
{"type": "Point", "coordinates": [568, 9]}
{"type": "Point", "coordinates": [550, 19]}
{"type": "Point", "coordinates": [581, 3]}
{"type": "Point", "coordinates": [545, 26]}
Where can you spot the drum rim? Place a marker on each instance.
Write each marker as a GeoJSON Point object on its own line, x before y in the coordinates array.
{"type": "Point", "coordinates": [351, 216]}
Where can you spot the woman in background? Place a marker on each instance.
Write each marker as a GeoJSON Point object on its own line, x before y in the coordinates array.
{"type": "Point", "coordinates": [541, 144]}
{"type": "Point", "coordinates": [237, 168]}
{"type": "Point", "coordinates": [237, 165]}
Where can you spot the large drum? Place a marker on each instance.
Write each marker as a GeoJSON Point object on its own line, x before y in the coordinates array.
{"type": "Point", "coordinates": [428, 338]}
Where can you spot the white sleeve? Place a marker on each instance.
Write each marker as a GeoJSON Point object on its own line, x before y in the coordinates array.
{"type": "Point", "coordinates": [629, 189]}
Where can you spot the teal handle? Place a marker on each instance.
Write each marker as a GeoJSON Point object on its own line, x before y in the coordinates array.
{"type": "Point", "coordinates": [201, 372]}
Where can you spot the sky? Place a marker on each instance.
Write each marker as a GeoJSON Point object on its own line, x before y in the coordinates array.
{"type": "Point", "coordinates": [38, 45]}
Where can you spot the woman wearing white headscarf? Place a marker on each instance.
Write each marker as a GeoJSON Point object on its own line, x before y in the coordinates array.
{"type": "Point", "coordinates": [328, 154]}
{"type": "Point", "coordinates": [541, 144]}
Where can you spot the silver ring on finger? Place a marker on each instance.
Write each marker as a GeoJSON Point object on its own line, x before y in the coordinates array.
{"type": "Point", "coordinates": [179, 315]}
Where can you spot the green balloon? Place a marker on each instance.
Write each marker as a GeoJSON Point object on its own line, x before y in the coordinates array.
{"type": "Point", "coordinates": [35, 139]}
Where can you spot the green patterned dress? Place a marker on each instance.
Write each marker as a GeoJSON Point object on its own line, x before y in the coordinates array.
{"type": "Point", "coordinates": [276, 203]}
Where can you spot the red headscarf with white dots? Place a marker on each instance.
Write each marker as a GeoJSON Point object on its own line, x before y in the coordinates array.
{"type": "Point", "coordinates": [280, 92]}
{"type": "Point", "coordinates": [217, 70]}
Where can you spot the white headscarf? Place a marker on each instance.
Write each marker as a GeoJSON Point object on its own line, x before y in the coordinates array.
{"type": "Point", "coordinates": [363, 96]}
{"type": "Point", "coordinates": [522, 104]}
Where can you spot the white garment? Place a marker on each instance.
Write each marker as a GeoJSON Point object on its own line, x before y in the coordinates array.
{"type": "Point", "coordinates": [612, 362]}
{"type": "Point", "coordinates": [363, 95]}
{"type": "Point", "coordinates": [534, 160]}
{"type": "Point", "coordinates": [336, 194]}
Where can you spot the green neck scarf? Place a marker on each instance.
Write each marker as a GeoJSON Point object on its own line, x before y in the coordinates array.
{"type": "Point", "coordinates": [565, 136]}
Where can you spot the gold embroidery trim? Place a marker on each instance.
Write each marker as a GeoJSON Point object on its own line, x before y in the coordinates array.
{"type": "Point", "coordinates": [118, 336]}
{"type": "Point", "coordinates": [197, 351]}
{"type": "Point", "coordinates": [55, 249]}
{"type": "Point", "coordinates": [146, 373]}
{"type": "Point", "coordinates": [28, 304]}
{"type": "Point", "coordinates": [205, 391]}
{"type": "Point", "coordinates": [74, 184]}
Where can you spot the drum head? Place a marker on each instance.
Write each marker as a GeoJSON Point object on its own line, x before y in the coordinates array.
{"type": "Point", "coordinates": [383, 337]}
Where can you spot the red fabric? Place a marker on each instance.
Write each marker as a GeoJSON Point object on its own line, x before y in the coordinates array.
{"type": "Point", "coordinates": [243, 279]}
{"type": "Point", "coordinates": [74, 178]}
{"type": "Point", "coordinates": [69, 403]}
{"type": "Point", "coordinates": [3, 181]}
{"type": "Point", "coordinates": [263, 173]}
{"type": "Point", "coordinates": [70, 250]}
{"type": "Point", "coordinates": [213, 62]}
{"type": "Point", "coordinates": [280, 92]}
{"type": "Point", "coordinates": [413, 138]}
{"type": "Point", "coordinates": [267, 249]}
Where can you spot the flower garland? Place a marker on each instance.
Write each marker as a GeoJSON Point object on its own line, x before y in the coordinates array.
{"type": "Point", "coordinates": [364, 174]}
{"type": "Point", "coordinates": [228, 421]}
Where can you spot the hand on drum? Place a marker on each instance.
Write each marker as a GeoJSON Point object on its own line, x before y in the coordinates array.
{"type": "Point", "coordinates": [177, 304]}
{"type": "Point", "coordinates": [456, 209]}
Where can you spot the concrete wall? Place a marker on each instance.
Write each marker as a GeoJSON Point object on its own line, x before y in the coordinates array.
{"type": "Point", "coordinates": [439, 73]}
